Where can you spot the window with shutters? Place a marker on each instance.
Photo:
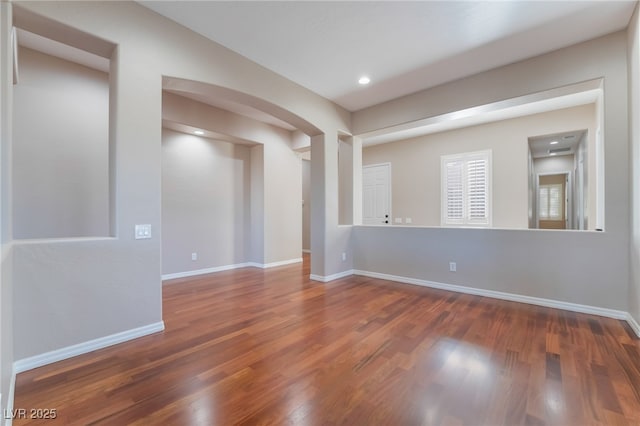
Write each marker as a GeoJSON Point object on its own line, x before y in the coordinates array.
{"type": "Point", "coordinates": [550, 203]}
{"type": "Point", "coordinates": [466, 189]}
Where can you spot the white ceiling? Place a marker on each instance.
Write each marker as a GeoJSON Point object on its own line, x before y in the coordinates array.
{"type": "Point", "coordinates": [403, 46]}
{"type": "Point", "coordinates": [559, 144]}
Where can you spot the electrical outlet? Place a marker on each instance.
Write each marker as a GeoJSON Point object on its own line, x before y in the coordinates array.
{"type": "Point", "coordinates": [452, 267]}
{"type": "Point", "coordinates": [408, 220]}
{"type": "Point", "coordinates": [344, 256]}
{"type": "Point", "coordinates": [398, 220]}
{"type": "Point", "coordinates": [194, 256]}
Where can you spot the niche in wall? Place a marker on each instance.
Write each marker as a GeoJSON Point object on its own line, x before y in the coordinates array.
{"type": "Point", "coordinates": [231, 186]}
{"type": "Point", "coordinates": [61, 167]}
{"type": "Point", "coordinates": [206, 216]}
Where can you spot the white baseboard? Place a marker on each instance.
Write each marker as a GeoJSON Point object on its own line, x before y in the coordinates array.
{"type": "Point", "coordinates": [85, 347]}
{"type": "Point", "coordinates": [203, 271]}
{"type": "Point", "coordinates": [549, 303]}
{"type": "Point", "coordinates": [282, 263]}
{"type": "Point", "coordinates": [195, 272]}
{"type": "Point", "coordinates": [633, 324]}
{"type": "Point", "coordinates": [326, 279]}
{"type": "Point", "coordinates": [274, 264]}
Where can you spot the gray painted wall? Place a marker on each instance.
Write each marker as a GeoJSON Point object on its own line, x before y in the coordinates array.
{"type": "Point", "coordinates": [345, 182]}
{"type": "Point", "coordinates": [306, 207]}
{"type": "Point", "coordinates": [282, 206]}
{"type": "Point", "coordinates": [537, 263]}
{"type": "Point", "coordinates": [257, 199]}
{"type": "Point", "coordinates": [589, 268]}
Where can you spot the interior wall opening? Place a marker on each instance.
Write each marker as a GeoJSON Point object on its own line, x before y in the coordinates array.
{"type": "Point", "coordinates": [61, 152]}
{"type": "Point", "coordinates": [517, 140]}
{"type": "Point", "coordinates": [553, 201]}
{"type": "Point", "coordinates": [231, 187]}
{"type": "Point", "coordinates": [560, 181]}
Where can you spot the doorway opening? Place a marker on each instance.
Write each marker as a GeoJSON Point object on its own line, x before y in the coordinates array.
{"type": "Point", "coordinates": [553, 201]}
{"type": "Point", "coordinates": [559, 181]}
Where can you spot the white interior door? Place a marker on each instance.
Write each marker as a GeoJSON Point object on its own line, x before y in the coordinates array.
{"type": "Point", "coordinates": [376, 194]}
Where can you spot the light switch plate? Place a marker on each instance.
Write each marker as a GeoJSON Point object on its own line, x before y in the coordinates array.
{"type": "Point", "coordinates": [143, 231]}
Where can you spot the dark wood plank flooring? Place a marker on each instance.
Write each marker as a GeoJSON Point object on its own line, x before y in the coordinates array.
{"type": "Point", "coordinates": [271, 347]}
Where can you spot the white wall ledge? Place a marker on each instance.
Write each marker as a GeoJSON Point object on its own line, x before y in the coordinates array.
{"type": "Point", "coordinates": [479, 228]}
{"type": "Point", "coordinates": [70, 240]}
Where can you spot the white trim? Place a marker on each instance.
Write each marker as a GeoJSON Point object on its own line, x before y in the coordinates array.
{"type": "Point", "coordinates": [633, 324]}
{"type": "Point", "coordinates": [306, 251]}
{"type": "Point", "coordinates": [14, 48]}
{"type": "Point", "coordinates": [326, 279]}
{"type": "Point", "coordinates": [549, 303]}
{"type": "Point", "coordinates": [203, 271]}
{"type": "Point", "coordinates": [8, 421]}
{"type": "Point", "coordinates": [600, 177]}
{"type": "Point", "coordinates": [85, 347]}
{"type": "Point", "coordinates": [274, 264]}
{"type": "Point", "coordinates": [65, 240]}
{"type": "Point", "coordinates": [568, 192]}
{"type": "Point", "coordinates": [195, 272]}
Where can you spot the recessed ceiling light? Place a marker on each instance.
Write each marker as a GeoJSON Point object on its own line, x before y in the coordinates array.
{"type": "Point", "coordinates": [554, 143]}
{"type": "Point", "coordinates": [198, 132]}
{"type": "Point", "coordinates": [364, 80]}
{"type": "Point", "coordinates": [552, 154]}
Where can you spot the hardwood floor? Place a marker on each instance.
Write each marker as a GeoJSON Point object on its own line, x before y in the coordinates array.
{"type": "Point", "coordinates": [270, 347]}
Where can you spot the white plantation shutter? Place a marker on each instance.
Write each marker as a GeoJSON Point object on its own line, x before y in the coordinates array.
{"type": "Point", "coordinates": [477, 187]}
{"type": "Point", "coordinates": [455, 192]}
{"type": "Point", "coordinates": [555, 200]}
{"type": "Point", "coordinates": [544, 203]}
{"type": "Point", "coordinates": [550, 202]}
{"type": "Point", "coordinates": [466, 189]}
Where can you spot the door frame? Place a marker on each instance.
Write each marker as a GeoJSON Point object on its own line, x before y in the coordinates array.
{"type": "Point", "coordinates": [568, 194]}
{"type": "Point", "coordinates": [388, 165]}
{"type": "Point", "coordinates": [580, 195]}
